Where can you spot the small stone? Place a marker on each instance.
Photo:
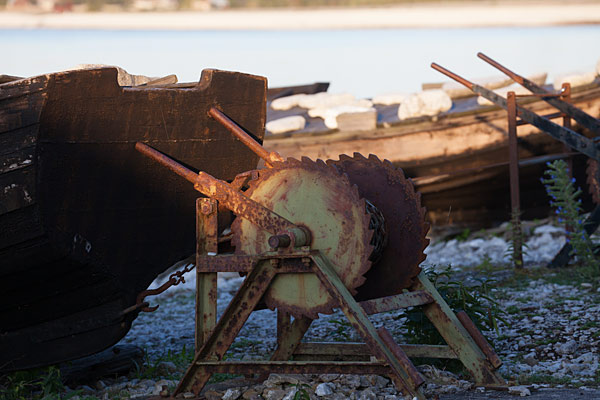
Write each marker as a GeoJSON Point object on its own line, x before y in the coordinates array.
{"type": "Point", "coordinates": [519, 391]}
{"type": "Point", "coordinates": [567, 348]}
{"type": "Point", "coordinates": [367, 394]}
{"type": "Point", "coordinates": [537, 318]}
{"type": "Point", "coordinates": [324, 389]}
{"type": "Point", "coordinates": [274, 394]}
{"type": "Point", "coordinates": [212, 395]}
{"type": "Point", "coordinates": [328, 377]}
{"type": "Point", "coordinates": [164, 393]}
{"type": "Point", "coordinates": [188, 395]}
{"type": "Point", "coordinates": [277, 379]}
{"type": "Point", "coordinates": [251, 394]}
{"type": "Point", "coordinates": [530, 359]}
{"type": "Point", "coordinates": [165, 368]}
{"type": "Point", "coordinates": [86, 389]}
{"type": "Point", "coordinates": [291, 394]}
{"type": "Point", "coordinates": [587, 285]}
{"type": "Point", "coordinates": [232, 394]}
{"type": "Point", "coordinates": [351, 381]}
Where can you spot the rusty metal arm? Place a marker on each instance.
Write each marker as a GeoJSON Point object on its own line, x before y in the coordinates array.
{"type": "Point", "coordinates": [245, 138]}
{"type": "Point", "coordinates": [565, 135]}
{"type": "Point", "coordinates": [586, 120]}
{"type": "Point", "coordinates": [219, 190]}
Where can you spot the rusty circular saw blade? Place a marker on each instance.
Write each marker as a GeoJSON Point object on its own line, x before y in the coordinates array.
{"type": "Point", "coordinates": [387, 188]}
{"type": "Point", "coordinates": [593, 179]}
{"type": "Point", "coordinates": [316, 196]}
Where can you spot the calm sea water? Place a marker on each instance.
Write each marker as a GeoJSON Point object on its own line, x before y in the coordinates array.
{"type": "Point", "coordinates": [363, 62]}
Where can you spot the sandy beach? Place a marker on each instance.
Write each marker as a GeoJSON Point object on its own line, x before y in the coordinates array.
{"type": "Point", "coordinates": [429, 15]}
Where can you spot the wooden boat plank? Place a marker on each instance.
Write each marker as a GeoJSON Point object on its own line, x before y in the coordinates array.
{"type": "Point", "coordinates": [17, 139]}
{"type": "Point", "coordinates": [17, 190]}
{"type": "Point", "coordinates": [21, 158]}
{"type": "Point", "coordinates": [18, 112]}
{"type": "Point", "coordinates": [23, 87]}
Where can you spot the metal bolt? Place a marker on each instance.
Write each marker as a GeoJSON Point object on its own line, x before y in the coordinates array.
{"type": "Point", "coordinates": [206, 208]}
{"type": "Point", "coordinates": [277, 241]}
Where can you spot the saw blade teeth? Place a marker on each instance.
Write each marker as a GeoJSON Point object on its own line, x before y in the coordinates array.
{"type": "Point", "coordinates": [389, 164]}
{"type": "Point", "coordinates": [343, 157]}
{"type": "Point", "coordinates": [359, 156]}
{"type": "Point", "coordinates": [321, 163]}
{"type": "Point", "coordinates": [373, 157]}
{"type": "Point", "coordinates": [306, 160]}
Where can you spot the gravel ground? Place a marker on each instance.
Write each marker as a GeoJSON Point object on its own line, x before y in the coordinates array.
{"type": "Point", "coordinates": [548, 342]}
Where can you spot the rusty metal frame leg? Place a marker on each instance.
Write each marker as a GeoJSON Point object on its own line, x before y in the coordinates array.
{"type": "Point", "coordinates": [228, 327]}
{"type": "Point", "coordinates": [515, 201]}
{"type": "Point", "coordinates": [290, 337]}
{"type": "Point", "coordinates": [457, 337]}
{"type": "Point", "coordinates": [206, 282]}
{"type": "Point", "coordinates": [359, 320]}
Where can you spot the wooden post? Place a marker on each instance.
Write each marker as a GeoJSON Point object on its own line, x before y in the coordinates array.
{"type": "Point", "coordinates": [206, 282]}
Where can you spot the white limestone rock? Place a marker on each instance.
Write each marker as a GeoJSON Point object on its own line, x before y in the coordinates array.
{"type": "Point", "coordinates": [330, 116]}
{"type": "Point", "coordinates": [575, 79]}
{"type": "Point", "coordinates": [325, 100]}
{"type": "Point", "coordinates": [286, 124]}
{"type": "Point", "coordinates": [287, 102]}
{"type": "Point", "coordinates": [389, 98]}
{"type": "Point", "coordinates": [598, 68]}
{"type": "Point", "coordinates": [425, 103]}
{"type": "Point", "coordinates": [321, 112]}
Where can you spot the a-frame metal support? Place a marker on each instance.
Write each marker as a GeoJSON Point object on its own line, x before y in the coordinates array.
{"type": "Point", "coordinates": [378, 354]}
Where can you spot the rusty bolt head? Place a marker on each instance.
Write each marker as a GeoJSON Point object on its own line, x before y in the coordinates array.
{"type": "Point", "coordinates": [206, 208]}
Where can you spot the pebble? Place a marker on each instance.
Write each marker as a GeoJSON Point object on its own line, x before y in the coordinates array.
{"type": "Point", "coordinates": [519, 390]}
{"type": "Point", "coordinates": [324, 389]}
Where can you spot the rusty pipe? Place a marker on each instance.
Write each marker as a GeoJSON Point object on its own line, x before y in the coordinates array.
{"type": "Point", "coordinates": [230, 198]}
{"type": "Point", "coordinates": [452, 75]}
{"type": "Point", "coordinates": [515, 77]}
{"type": "Point", "coordinates": [166, 161]}
{"type": "Point", "coordinates": [244, 137]}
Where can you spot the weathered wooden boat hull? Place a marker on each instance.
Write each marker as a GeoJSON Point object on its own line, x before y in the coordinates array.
{"type": "Point", "coordinates": [466, 138]}
{"type": "Point", "coordinates": [86, 222]}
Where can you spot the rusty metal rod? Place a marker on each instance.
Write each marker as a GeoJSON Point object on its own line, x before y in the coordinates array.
{"type": "Point", "coordinates": [413, 374]}
{"type": "Point", "coordinates": [483, 344]}
{"type": "Point", "coordinates": [219, 190]}
{"type": "Point", "coordinates": [244, 137]}
{"type": "Point", "coordinates": [586, 120]}
{"type": "Point", "coordinates": [565, 135]}
{"type": "Point", "coordinates": [166, 161]}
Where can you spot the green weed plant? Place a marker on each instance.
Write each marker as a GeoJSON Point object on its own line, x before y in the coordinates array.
{"type": "Point", "coordinates": [565, 199]}
{"type": "Point", "coordinates": [477, 301]}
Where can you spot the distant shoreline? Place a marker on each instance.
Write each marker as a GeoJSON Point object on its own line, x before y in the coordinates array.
{"type": "Point", "coordinates": [427, 15]}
